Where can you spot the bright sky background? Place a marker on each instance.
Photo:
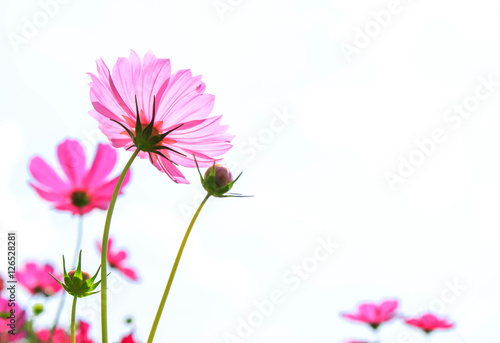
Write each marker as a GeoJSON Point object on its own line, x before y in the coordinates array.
{"type": "Point", "coordinates": [318, 134]}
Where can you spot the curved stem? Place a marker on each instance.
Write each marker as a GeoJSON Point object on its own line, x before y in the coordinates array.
{"type": "Point", "coordinates": [376, 335]}
{"type": "Point", "coordinates": [174, 269]}
{"type": "Point", "coordinates": [75, 260]}
{"type": "Point", "coordinates": [73, 315]}
{"type": "Point", "coordinates": [104, 250]}
{"type": "Point", "coordinates": [78, 241]}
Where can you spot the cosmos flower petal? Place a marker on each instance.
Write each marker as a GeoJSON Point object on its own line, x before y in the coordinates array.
{"type": "Point", "coordinates": [36, 279]}
{"type": "Point", "coordinates": [104, 162]}
{"type": "Point", "coordinates": [170, 169]}
{"type": "Point", "coordinates": [106, 190]}
{"type": "Point", "coordinates": [86, 189]}
{"type": "Point", "coordinates": [387, 307]}
{"type": "Point", "coordinates": [49, 196]}
{"type": "Point", "coordinates": [181, 113]}
{"type": "Point", "coordinates": [107, 95]}
{"type": "Point", "coordinates": [72, 161]}
{"type": "Point", "coordinates": [129, 272]}
{"type": "Point", "coordinates": [46, 176]}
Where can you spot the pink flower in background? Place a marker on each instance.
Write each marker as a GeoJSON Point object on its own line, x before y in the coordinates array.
{"type": "Point", "coordinates": [429, 322]}
{"type": "Point", "coordinates": [142, 105]}
{"type": "Point", "coordinates": [81, 189]}
{"type": "Point", "coordinates": [37, 280]}
{"type": "Point", "coordinates": [20, 316]}
{"type": "Point", "coordinates": [61, 336]}
{"type": "Point", "coordinates": [116, 259]}
{"type": "Point", "coordinates": [128, 339]}
{"type": "Point", "coordinates": [374, 314]}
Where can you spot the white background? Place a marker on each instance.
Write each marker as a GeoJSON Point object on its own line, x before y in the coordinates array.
{"type": "Point", "coordinates": [321, 174]}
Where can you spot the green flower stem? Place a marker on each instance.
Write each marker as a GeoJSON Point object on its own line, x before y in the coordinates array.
{"type": "Point", "coordinates": [172, 273]}
{"type": "Point", "coordinates": [78, 241]}
{"type": "Point", "coordinates": [73, 315]}
{"type": "Point", "coordinates": [75, 260]}
{"type": "Point", "coordinates": [104, 250]}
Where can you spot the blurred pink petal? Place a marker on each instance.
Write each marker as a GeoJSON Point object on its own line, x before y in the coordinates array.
{"type": "Point", "coordinates": [61, 336]}
{"type": "Point", "coordinates": [429, 322]}
{"type": "Point", "coordinates": [37, 280]}
{"type": "Point", "coordinates": [116, 260]}
{"type": "Point", "coordinates": [128, 339]}
{"type": "Point", "coordinates": [374, 314]}
{"type": "Point", "coordinates": [80, 190]}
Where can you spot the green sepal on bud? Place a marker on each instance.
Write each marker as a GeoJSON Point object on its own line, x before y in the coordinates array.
{"type": "Point", "coordinates": [218, 181]}
{"type": "Point", "coordinates": [77, 283]}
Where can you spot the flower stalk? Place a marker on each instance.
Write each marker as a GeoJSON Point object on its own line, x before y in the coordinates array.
{"type": "Point", "coordinates": [172, 273]}
{"type": "Point", "coordinates": [104, 251]}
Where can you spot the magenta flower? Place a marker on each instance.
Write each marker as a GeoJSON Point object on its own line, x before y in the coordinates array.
{"type": "Point", "coordinates": [373, 314]}
{"type": "Point", "coordinates": [81, 189]}
{"type": "Point", "coordinates": [141, 105]}
{"type": "Point", "coordinates": [128, 339]}
{"type": "Point", "coordinates": [6, 320]}
{"type": "Point", "coordinates": [61, 336]}
{"type": "Point", "coordinates": [116, 259]}
{"type": "Point", "coordinates": [429, 322]}
{"type": "Point", "coordinates": [37, 280]}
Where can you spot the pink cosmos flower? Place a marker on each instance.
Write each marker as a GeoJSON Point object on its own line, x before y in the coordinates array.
{"type": "Point", "coordinates": [61, 336]}
{"type": "Point", "coordinates": [141, 105]}
{"type": "Point", "coordinates": [81, 189]}
{"type": "Point", "coordinates": [373, 314]}
{"type": "Point", "coordinates": [20, 316]}
{"type": "Point", "coordinates": [116, 259]}
{"type": "Point", "coordinates": [37, 280]}
{"type": "Point", "coordinates": [128, 339]}
{"type": "Point", "coordinates": [429, 322]}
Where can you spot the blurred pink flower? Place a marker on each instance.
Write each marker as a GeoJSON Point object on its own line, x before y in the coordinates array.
{"type": "Point", "coordinates": [116, 259]}
{"type": "Point", "coordinates": [20, 319]}
{"type": "Point", "coordinates": [37, 280]}
{"type": "Point", "coordinates": [429, 322]}
{"type": "Point", "coordinates": [61, 336]}
{"type": "Point", "coordinates": [374, 314]}
{"type": "Point", "coordinates": [81, 189]}
{"type": "Point", "coordinates": [128, 339]}
{"type": "Point", "coordinates": [175, 106]}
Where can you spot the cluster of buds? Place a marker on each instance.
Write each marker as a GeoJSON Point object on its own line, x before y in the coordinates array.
{"type": "Point", "coordinates": [77, 283]}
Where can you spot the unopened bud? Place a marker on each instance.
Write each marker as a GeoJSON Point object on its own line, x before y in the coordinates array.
{"type": "Point", "coordinates": [37, 309]}
{"type": "Point", "coordinates": [85, 275]}
{"type": "Point", "coordinates": [222, 175]}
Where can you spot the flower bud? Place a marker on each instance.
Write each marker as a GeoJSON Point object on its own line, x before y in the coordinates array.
{"type": "Point", "coordinates": [37, 309]}
{"type": "Point", "coordinates": [222, 176]}
{"type": "Point", "coordinates": [218, 180]}
{"type": "Point", "coordinates": [85, 275]}
{"type": "Point", "coordinates": [77, 283]}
